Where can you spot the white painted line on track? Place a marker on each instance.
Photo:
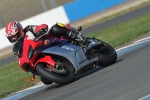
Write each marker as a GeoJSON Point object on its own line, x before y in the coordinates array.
{"type": "Point", "coordinates": [135, 43]}
{"type": "Point", "coordinates": [145, 98]}
{"type": "Point", "coordinates": [144, 39]}
{"type": "Point", "coordinates": [25, 92]}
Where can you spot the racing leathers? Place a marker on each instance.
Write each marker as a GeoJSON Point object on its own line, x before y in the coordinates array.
{"type": "Point", "coordinates": [40, 31]}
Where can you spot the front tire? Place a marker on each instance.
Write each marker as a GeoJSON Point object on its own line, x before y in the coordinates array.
{"type": "Point", "coordinates": [46, 81]}
{"type": "Point", "coordinates": [64, 78]}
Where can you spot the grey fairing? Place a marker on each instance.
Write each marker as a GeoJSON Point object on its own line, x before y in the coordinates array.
{"type": "Point", "coordinates": [74, 54]}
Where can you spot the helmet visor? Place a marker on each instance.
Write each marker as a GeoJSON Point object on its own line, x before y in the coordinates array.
{"type": "Point", "coordinates": [14, 38]}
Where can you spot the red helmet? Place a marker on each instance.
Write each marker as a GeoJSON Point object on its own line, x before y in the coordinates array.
{"type": "Point", "coordinates": [14, 31]}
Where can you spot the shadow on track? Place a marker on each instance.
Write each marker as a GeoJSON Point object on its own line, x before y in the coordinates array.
{"type": "Point", "coordinates": [54, 86]}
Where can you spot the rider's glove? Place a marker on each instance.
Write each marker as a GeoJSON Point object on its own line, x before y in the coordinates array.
{"type": "Point", "coordinates": [17, 50]}
{"type": "Point", "coordinates": [16, 54]}
{"type": "Point", "coordinates": [40, 34]}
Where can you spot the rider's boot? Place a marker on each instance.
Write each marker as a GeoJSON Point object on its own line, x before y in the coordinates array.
{"type": "Point", "coordinates": [77, 36]}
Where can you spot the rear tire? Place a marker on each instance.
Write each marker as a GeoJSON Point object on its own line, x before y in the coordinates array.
{"type": "Point", "coordinates": [107, 56]}
{"type": "Point", "coordinates": [44, 71]}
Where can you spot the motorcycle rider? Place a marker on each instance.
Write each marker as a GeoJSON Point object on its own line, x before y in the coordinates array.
{"type": "Point", "coordinates": [15, 33]}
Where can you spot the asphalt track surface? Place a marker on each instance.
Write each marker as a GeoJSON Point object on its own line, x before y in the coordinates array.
{"type": "Point", "coordinates": [127, 79]}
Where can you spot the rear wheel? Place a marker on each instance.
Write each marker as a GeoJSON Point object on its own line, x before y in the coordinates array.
{"type": "Point", "coordinates": [107, 54]}
{"type": "Point", "coordinates": [62, 73]}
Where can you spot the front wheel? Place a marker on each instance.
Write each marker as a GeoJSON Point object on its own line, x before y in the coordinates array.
{"type": "Point", "coordinates": [62, 73]}
{"type": "Point", "coordinates": [107, 54]}
{"type": "Point", "coordinates": [45, 81]}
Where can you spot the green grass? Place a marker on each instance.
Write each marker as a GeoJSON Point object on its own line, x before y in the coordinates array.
{"type": "Point", "coordinates": [125, 32]}
{"type": "Point", "coordinates": [11, 79]}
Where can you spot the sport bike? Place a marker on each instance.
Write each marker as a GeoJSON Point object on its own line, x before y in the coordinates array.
{"type": "Point", "coordinates": [62, 60]}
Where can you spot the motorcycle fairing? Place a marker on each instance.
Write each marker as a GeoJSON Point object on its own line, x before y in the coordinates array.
{"type": "Point", "coordinates": [24, 58]}
{"type": "Point", "coordinates": [48, 60]}
{"type": "Point", "coordinates": [73, 53]}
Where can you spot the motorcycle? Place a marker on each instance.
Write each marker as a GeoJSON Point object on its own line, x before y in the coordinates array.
{"type": "Point", "coordinates": [62, 60]}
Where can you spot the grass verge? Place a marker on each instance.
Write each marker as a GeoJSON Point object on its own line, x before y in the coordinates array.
{"type": "Point", "coordinates": [125, 32]}
{"type": "Point", "coordinates": [11, 77]}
